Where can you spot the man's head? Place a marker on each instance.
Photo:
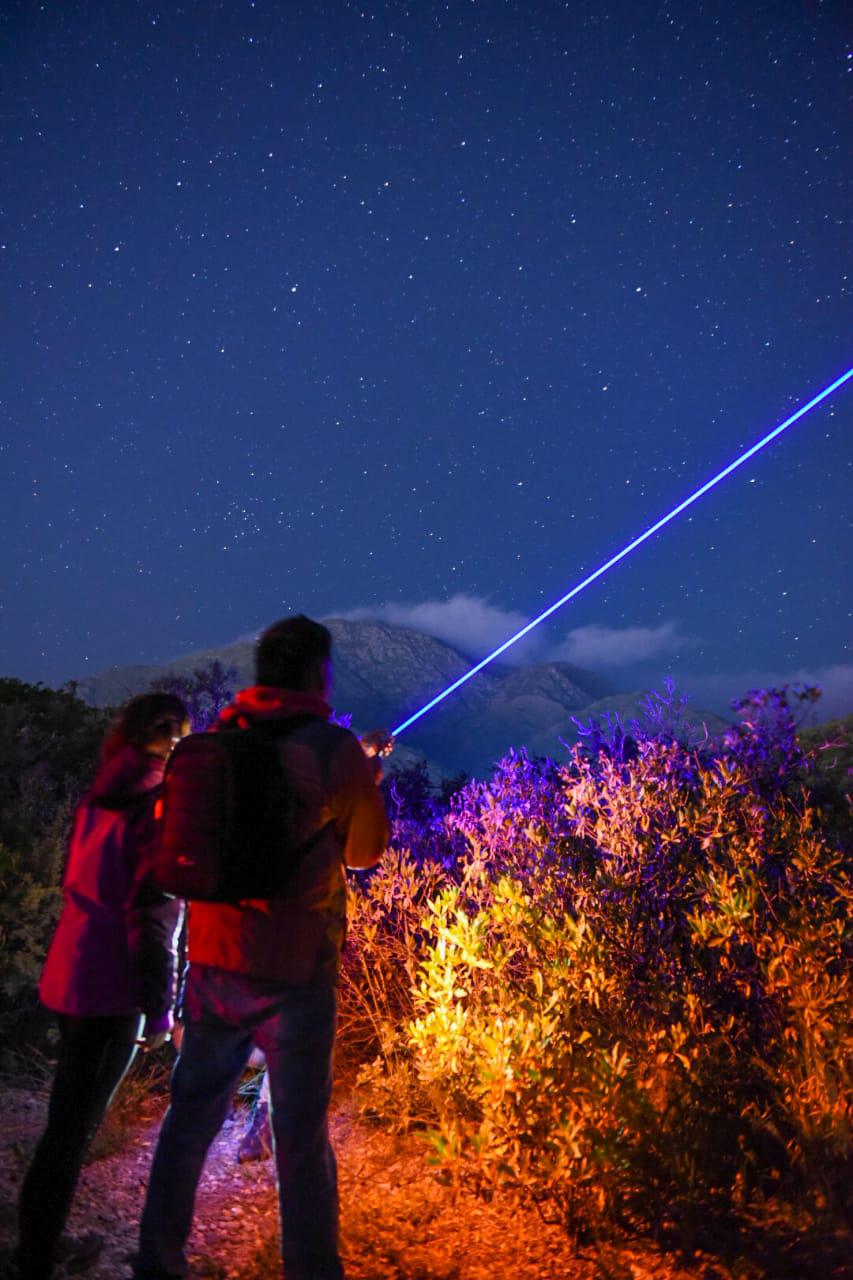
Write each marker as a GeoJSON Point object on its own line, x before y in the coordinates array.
{"type": "Point", "coordinates": [295, 653]}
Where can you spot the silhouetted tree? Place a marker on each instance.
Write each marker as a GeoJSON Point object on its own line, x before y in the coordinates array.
{"type": "Point", "coordinates": [204, 693]}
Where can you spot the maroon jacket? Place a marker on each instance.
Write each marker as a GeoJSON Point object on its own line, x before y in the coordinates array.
{"type": "Point", "coordinates": [298, 938]}
{"type": "Point", "coordinates": [113, 953]}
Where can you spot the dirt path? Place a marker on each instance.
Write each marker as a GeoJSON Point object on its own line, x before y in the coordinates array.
{"type": "Point", "coordinates": [399, 1223]}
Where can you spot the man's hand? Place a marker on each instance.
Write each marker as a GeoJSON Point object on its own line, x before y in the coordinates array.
{"type": "Point", "coordinates": [154, 1040]}
{"type": "Point", "coordinates": [378, 742]}
{"type": "Point", "coordinates": [156, 1032]}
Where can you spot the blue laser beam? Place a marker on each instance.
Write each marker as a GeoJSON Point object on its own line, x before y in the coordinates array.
{"type": "Point", "coordinates": [620, 555]}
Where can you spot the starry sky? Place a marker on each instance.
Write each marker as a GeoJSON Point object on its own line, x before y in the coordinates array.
{"type": "Point", "coordinates": [422, 310]}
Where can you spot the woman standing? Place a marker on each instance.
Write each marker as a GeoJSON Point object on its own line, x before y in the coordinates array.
{"type": "Point", "coordinates": [109, 974]}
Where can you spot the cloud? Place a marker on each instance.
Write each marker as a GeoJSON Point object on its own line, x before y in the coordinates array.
{"type": "Point", "coordinates": [469, 623]}
{"type": "Point", "coordinates": [596, 646]}
{"type": "Point", "coordinates": [717, 691]}
{"type": "Point", "coordinates": [476, 626]}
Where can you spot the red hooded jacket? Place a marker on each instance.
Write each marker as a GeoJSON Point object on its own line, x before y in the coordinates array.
{"type": "Point", "coordinates": [113, 953]}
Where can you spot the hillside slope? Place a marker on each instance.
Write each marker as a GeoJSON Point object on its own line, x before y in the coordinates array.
{"type": "Point", "coordinates": [383, 673]}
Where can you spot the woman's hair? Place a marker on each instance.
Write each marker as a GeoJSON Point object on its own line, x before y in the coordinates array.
{"type": "Point", "coordinates": [142, 721]}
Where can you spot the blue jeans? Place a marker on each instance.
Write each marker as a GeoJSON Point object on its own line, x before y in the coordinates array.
{"type": "Point", "coordinates": [226, 1014]}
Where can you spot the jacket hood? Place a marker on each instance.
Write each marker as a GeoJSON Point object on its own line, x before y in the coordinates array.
{"type": "Point", "coordinates": [265, 702]}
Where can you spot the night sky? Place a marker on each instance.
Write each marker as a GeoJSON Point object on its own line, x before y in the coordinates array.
{"type": "Point", "coordinates": [424, 310]}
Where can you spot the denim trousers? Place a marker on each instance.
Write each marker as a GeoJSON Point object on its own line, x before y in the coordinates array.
{"type": "Point", "coordinates": [226, 1014]}
{"type": "Point", "coordinates": [94, 1054]}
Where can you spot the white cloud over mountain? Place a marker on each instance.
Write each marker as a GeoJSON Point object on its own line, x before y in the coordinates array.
{"type": "Point", "coordinates": [596, 646]}
{"type": "Point", "coordinates": [476, 626]}
{"type": "Point", "coordinates": [469, 623]}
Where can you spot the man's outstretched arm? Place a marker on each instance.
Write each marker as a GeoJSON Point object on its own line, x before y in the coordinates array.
{"type": "Point", "coordinates": [360, 818]}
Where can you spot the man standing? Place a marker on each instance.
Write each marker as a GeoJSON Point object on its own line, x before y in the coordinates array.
{"type": "Point", "coordinates": [264, 973]}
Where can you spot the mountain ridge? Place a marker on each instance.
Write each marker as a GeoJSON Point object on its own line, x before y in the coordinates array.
{"type": "Point", "coordinates": [385, 672]}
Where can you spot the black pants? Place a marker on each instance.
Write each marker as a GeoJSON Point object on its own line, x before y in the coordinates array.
{"type": "Point", "coordinates": [94, 1054]}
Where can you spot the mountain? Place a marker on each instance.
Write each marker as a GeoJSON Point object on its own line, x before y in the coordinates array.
{"type": "Point", "coordinates": [384, 673]}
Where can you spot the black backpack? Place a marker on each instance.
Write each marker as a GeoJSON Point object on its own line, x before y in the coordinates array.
{"type": "Point", "coordinates": [227, 816]}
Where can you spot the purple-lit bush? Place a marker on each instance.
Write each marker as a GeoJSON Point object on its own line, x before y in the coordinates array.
{"type": "Point", "coordinates": [618, 987]}
{"type": "Point", "coordinates": [626, 992]}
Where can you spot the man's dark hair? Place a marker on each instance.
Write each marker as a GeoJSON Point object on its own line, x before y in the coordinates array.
{"type": "Point", "coordinates": [289, 653]}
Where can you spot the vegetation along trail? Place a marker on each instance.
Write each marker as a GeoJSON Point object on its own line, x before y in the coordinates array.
{"type": "Point", "coordinates": [595, 1014]}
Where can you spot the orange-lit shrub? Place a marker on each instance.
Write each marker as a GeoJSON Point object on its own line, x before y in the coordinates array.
{"type": "Point", "coordinates": [384, 940]}
{"type": "Point", "coordinates": [633, 996]}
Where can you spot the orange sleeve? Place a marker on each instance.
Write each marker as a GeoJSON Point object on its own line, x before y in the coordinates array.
{"type": "Point", "coordinates": [357, 806]}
